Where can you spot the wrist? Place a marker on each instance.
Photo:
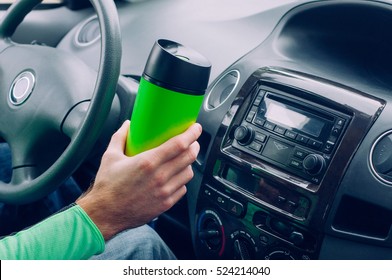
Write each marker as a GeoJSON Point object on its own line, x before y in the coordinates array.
{"type": "Point", "coordinates": [95, 212]}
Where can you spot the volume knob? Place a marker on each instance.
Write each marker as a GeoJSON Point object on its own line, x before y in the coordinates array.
{"type": "Point", "coordinates": [314, 164]}
{"type": "Point", "coordinates": [244, 135]}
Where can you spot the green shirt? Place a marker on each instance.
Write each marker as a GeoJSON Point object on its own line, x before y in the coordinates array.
{"type": "Point", "coordinates": [69, 234]}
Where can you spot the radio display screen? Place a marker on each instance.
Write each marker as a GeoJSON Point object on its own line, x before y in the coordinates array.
{"type": "Point", "coordinates": [289, 116]}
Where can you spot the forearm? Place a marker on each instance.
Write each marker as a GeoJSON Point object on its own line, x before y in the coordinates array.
{"type": "Point", "coordinates": [69, 234]}
{"type": "Point", "coordinates": [107, 224]}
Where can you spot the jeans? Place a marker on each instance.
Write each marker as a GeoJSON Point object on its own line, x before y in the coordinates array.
{"type": "Point", "coordinates": [141, 243]}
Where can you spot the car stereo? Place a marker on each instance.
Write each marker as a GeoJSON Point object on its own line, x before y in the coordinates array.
{"type": "Point", "coordinates": [296, 136]}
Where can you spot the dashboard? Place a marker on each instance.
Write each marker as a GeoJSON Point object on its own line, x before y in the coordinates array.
{"type": "Point", "coordinates": [297, 165]}
{"type": "Point", "coordinates": [296, 150]}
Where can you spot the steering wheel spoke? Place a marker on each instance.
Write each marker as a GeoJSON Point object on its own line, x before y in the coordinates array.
{"type": "Point", "coordinates": [74, 119]}
{"type": "Point", "coordinates": [23, 174]}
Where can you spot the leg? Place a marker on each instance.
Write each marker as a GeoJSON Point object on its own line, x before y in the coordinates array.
{"type": "Point", "coordinates": [5, 163]}
{"type": "Point", "coordinates": [141, 243]}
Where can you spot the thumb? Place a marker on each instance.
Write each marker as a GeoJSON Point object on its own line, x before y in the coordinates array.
{"type": "Point", "coordinates": [119, 138]}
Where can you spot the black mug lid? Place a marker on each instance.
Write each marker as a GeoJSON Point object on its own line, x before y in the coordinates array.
{"type": "Point", "coordinates": [176, 67]}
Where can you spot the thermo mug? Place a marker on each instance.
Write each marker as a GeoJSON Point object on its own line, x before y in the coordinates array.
{"type": "Point", "coordinates": [169, 97]}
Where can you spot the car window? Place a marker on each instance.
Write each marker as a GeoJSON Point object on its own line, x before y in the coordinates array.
{"type": "Point", "coordinates": [4, 4]}
{"type": "Point", "coordinates": [44, 1]}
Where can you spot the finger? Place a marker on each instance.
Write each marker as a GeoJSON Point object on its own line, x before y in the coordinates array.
{"type": "Point", "coordinates": [183, 177]}
{"type": "Point", "coordinates": [179, 193]}
{"type": "Point", "coordinates": [177, 164]}
{"type": "Point", "coordinates": [175, 197]}
{"type": "Point", "coordinates": [178, 180]}
{"type": "Point", "coordinates": [176, 145]}
{"type": "Point", "coordinates": [120, 137]}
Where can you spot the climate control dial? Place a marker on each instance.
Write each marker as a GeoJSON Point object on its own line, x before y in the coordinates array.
{"type": "Point", "coordinates": [211, 232]}
{"type": "Point", "coordinates": [244, 246]}
{"type": "Point", "coordinates": [280, 254]}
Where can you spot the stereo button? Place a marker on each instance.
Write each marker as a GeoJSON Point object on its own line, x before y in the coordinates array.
{"type": "Point", "coordinates": [296, 163]}
{"type": "Point", "coordinates": [258, 100]}
{"type": "Point", "coordinates": [250, 116]}
{"type": "Point", "coordinates": [300, 154]}
{"type": "Point", "coordinates": [280, 130]}
{"type": "Point", "coordinates": [315, 144]}
{"type": "Point", "coordinates": [340, 122]}
{"type": "Point", "coordinates": [269, 125]}
{"type": "Point", "coordinates": [329, 147]}
{"type": "Point", "coordinates": [290, 134]}
{"type": "Point", "coordinates": [302, 139]}
{"type": "Point", "coordinates": [255, 146]}
{"type": "Point", "coordinates": [260, 137]}
{"type": "Point", "coordinates": [258, 121]}
{"type": "Point", "coordinates": [336, 131]}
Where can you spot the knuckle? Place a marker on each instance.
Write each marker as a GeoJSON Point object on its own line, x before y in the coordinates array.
{"type": "Point", "coordinates": [108, 156]}
{"type": "Point", "coordinates": [167, 203]}
{"type": "Point", "coordinates": [146, 165]}
{"type": "Point", "coordinates": [192, 153]}
{"type": "Point", "coordinates": [114, 136]}
{"type": "Point", "coordinates": [189, 173]}
{"type": "Point", "coordinates": [160, 179]}
{"type": "Point", "coordinates": [163, 194]}
{"type": "Point", "coordinates": [181, 145]}
{"type": "Point", "coordinates": [170, 200]}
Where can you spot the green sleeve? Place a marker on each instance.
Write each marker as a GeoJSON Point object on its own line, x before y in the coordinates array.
{"type": "Point", "coordinates": [69, 234]}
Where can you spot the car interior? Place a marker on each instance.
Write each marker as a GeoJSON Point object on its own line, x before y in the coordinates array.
{"type": "Point", "coordinates": [295, 155]}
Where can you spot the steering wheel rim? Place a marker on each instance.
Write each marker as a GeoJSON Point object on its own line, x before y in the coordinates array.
{"type": "Point", "coordinates": [25, 189]}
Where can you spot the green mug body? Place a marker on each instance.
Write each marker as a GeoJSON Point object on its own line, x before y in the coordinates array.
{"type": "Point", "coordinates": [158, 115]}
{"type": "Point", "coordinates": [169, 97]}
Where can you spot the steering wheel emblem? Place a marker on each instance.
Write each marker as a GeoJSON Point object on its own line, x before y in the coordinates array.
{"type": "Point", "coordinates": [22, 87]}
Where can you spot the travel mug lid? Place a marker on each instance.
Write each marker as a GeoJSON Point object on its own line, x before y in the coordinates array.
{"type": "Point", "coordinates": [176, 67]}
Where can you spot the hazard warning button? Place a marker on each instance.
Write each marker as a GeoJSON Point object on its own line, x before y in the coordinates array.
{"type": "Point", "coordinates": [236, 208]}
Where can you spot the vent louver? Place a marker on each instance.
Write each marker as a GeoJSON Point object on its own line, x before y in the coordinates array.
{"type": "Point", "coordinates": [89, 32]}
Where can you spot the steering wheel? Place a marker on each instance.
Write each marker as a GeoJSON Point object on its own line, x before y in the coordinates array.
{"type": "Point", "coordinates": [52, 105]}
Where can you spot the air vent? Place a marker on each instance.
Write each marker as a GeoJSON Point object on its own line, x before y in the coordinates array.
{"type": "Point", "coordinates": [381, 157]}
{"type": "Point", "coordinates": [222, 89]}
{"type": "Point", "coordinates": [89, 32]}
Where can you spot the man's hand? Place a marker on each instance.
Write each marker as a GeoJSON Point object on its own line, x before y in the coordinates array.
{"type": "Point", "coordinates": [130, 191]}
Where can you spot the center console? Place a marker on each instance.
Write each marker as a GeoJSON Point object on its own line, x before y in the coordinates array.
{"type": "Point", "coordinates": [275, 165]}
